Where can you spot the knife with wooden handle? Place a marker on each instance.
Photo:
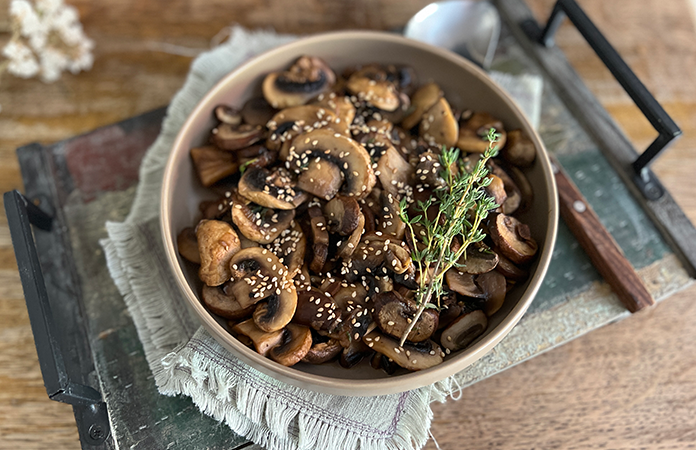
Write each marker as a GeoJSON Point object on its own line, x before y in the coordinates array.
{"type": "Point", "coordinates": [599, 245]}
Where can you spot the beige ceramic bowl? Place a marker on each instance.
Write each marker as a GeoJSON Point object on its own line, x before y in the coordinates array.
{"type": "Point", "coordinates": [465, 86]}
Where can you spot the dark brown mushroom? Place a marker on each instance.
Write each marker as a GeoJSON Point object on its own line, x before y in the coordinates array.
{"type": "Point", "coordinates": [322, 350]}
{"type": "Point", "coordinates": [494, 285]}
{"type": "Point", "coordinates": [513, 195]}
{"type": "Point", "coordinates": [320, 238]}
{"type": "Point", "coordinates": [393, 315]}
{"type": "Point", "coordinates": [305, 79]}
{"type": "Point", "coordinates": [509, 269]}
{"type": "Point", "coordinates": [519, 149]}
{"type": "Point", "coordinates": [342, 214]}
{"type": "Point", "coordinates": [316, 309]}
{"type": "Point", "coordinates": [296, 342]}
{"type": "Point", "coordinates": [287, 124]}
{"type": "Point", "coordinates": [463, 284]}
{"type": "Point", "coordinates": [438, 126]}
{"type": "Point", "coordinates": [223, 304]}
{"type": "Point", "coordinates": [429, 171]}
{"type": "Point", "coordinates": [256, 275]}
{"type": "Point", "coordinates": [257, 111]}
{"type": "Point", "coordinates": [496, 190]}
{"type": "Point", "coordinates": [212, 164]}
{"type": "Point", "coordinates": [343, 109]}
{"type": "Point", "coordinates": [347, 247]}
{"type": "Point", "coordinates": [390, 223]}
{"type": "Point", "coordinates": [263, 341]}
{"type": "Point", "coordinates": [411, 356]}
{"type": "Point", "coordinates": [215, 209]}
{"type": "Point", "coordinates": [395, 173]}
{"type": "Point", "coordinates": [513, 238]}
{"type": "Point", "coordinates": [320, 178]}
{"type": "Point", "coordinates": [473, 132]}
{"type": "Point", "coordinates": [217, 243]}
{"type": "Point", "coordinates": [524, 187]}
{"type": "Point", "coordinates": [463, 331]}
{"type": "Point", "coordinates": [353, 326]}
{"type": "Point", "coordinates": [290, 247]}
{"type": "Point", "coordinates": [272, 189]}
{"type": "Point", "coordinates": [187, 245]}
{"type": "Point", "coordinates": [351, 158]}
{"type": "Point", "coordinates": [370, 86]}
{"type": "Point", "coordinates": [228, 137]}
{"type": "Point", "coordinates": [353, 354]}
{"type": "Point", "coordinates": [421, 101]}
{"type": "Point", "coordinates": [259, 224]}
{"type": "Point", "coordinates": [450, 310]}
{"type": "Point", "coordinates": [227, 114]}
{"type": "Point", "coordinates": [477, 259]}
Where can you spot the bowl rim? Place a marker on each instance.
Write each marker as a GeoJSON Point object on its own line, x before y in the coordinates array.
{"type": "Point", "coordinates": [347, 386]}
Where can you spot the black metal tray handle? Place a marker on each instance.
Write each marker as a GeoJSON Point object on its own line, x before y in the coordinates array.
{"type": "Point", "coordinates": [87, 401]}
{"type": "Point", "coordinates": [667, 130]}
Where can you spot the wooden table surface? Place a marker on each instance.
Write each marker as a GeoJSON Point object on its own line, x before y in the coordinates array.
{"type": "Point", "coordinates": [628, 385]}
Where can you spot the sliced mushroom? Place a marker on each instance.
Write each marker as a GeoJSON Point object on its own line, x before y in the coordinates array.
{"type": "Point", "coordinates": [438, 126]}
{"type": "Point", "coordinates": [390, 223]}
{"type": "Point", "coordinates": [263, 341]}
{"type": "Point", "coordinates": [322, 351]}
{"type": "Point", "coordinates": [223, 304]}
{"type": "Point", "coordinates": [464, 331]}
{"type": "Point", "coordinates": [353, 326]}
{"type": "Point", "coordinates": [320, 238]}
{"type": "Point", "coordinates": [217, 243]}
{"type": "Point", "coordinates": [509, 269]}
{"type": "Point", "coordinates": [228, 137]}
{"type": "Point", "coordinates": [272, 189]}
{"type": "Point", "coordinates": [494, 285]}
{"type": "Point", "coordinates": [290, 247]}
{"type": "Point", "coordinates": [212, 164]}
{"type": "Point", "coordinates": [347, 247]}
{"type": "Point", "coordinates": [477, 259]}
{"type": "Point", "coordinates": [450, 309]}
{"type": "Point", "coordinates": [513, 195]}
{"type": "Point", "coordinates": [411, 356]}
{"type": "Point", "coordinates": [316, 309]}
{"type": "Point", "coordinates": [296, 342]}
{"type": "Point", "coordinates": [393, 315]}
{"type": "Point", "coordinates": [320, 178]}
{"type": "Point", "coordinates": [429, 171]}
{"type": "Point", "coordinates": [421, 101]}
{"type": "Point", "coordinates": [350, 296]}
{"type": "Point", "coordinates": [259, 224]}
{"type": "Point", "coordinates": [373, 88]}
{"type": "Point", "coordinates": [519, 149]}
{"type": "Point", "coordinates": [343, 109]}
{"type": "Point", "coordinates": [395, 173]}
{"type": "Point", "coordinates": [257, 111]}
{"type": "Point", "coordinates": [472, 133]}
{"type": "Point", "coordinates": [257, 274]}
{"type": "Point", "coordinates": [463, 284]}
{"type": "Point", "coordinates": [269, 315]}
{"type": "Point", "coordinates": [227, 114]}
{"type": "Point", "coordinates": [287, 124]}
{"type": "Point", "coordinates": [305, 79]}
{"type": "Point", "coordinates": [524, 187]}
{"type": "Point", "coordinates": [342, 215]}
{"type": "Point", "coordinates": [187, 245]}
{"type": "Point", "coordinates": [353, 354]}
{"type": "Point", "coordinates": [496, 190]}
{"type": "Point", "coordinates": [351, 158]}
{"type": "Point", "coordinates": [513, 238]}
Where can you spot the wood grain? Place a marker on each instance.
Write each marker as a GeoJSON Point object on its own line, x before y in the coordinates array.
{"type": "Point", "coordinates": [605, 254]}
{"type": "Point", "coordinates": [580, 396]}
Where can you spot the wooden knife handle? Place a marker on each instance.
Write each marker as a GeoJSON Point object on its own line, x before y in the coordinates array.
{"type": "Point", "coordinates": [605, 254]}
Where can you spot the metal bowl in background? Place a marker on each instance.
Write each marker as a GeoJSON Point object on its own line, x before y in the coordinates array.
{"type": "Point", "coordinates": [465, 86]}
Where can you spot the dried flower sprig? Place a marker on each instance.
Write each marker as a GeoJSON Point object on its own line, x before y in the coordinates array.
{"type": "Point", "coordinates": [462, 205]}
{"type": "Point", "coordinates": [47, 39]}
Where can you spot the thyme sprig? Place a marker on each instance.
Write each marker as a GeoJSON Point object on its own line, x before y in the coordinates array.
{"type": "Point", "coordinates": [462, 205]}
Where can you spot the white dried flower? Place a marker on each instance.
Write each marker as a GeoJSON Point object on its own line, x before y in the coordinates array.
{"type": "Point", "coordinates": [22, 61]}
{"type": "Point", "coordinates": [48, 40]}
